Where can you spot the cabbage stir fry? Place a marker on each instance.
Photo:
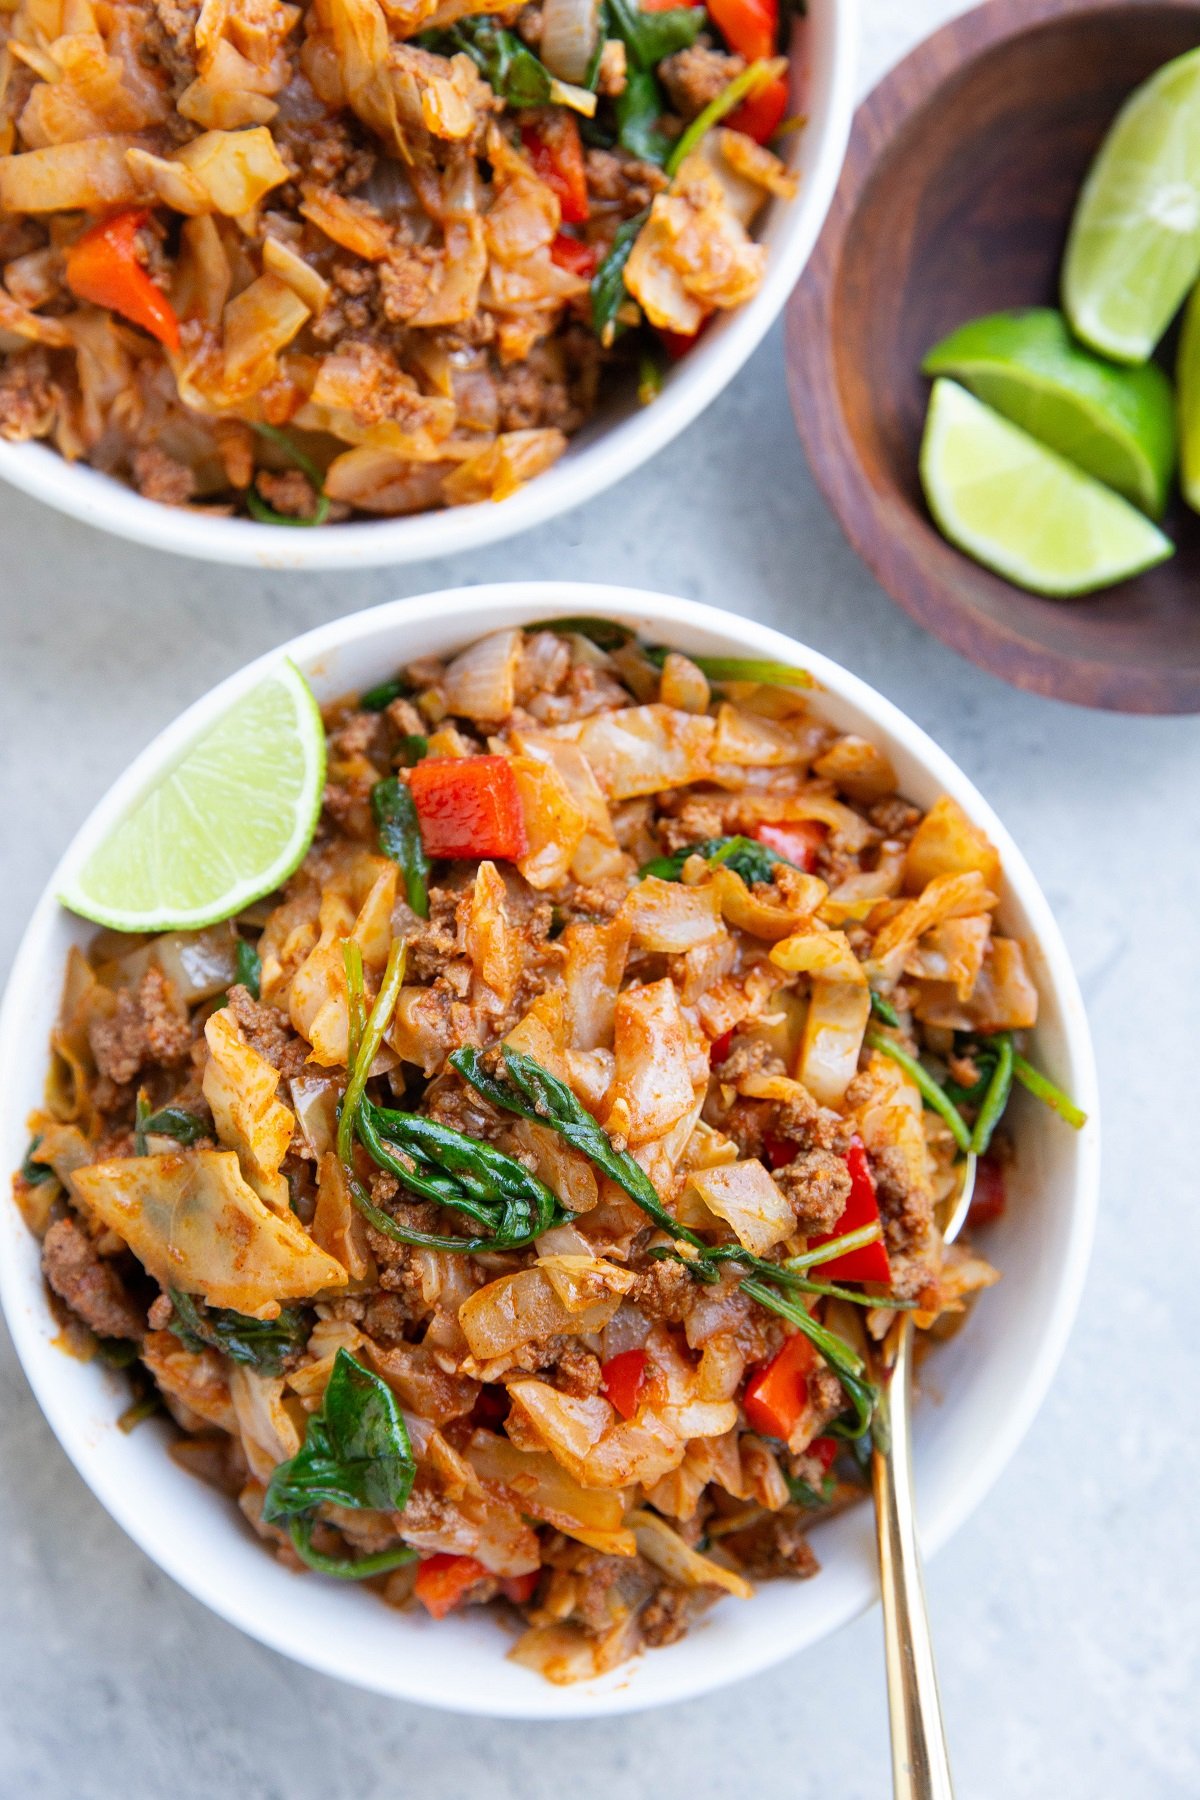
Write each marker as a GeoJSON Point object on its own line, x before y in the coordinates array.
{"type": "Point", "coordinates": [358, 257]}
{"type": "Point", "coordinates": [504, 1211]}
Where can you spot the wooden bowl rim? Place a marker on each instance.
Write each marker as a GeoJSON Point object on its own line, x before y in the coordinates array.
{"type": "Point", "coordinates": [938, 61]}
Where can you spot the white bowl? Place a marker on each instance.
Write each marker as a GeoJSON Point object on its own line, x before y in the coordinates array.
{"type": "Point", "coordinates": [615, 443]}
{"type": "Point", "coordinates": [992, 1375]}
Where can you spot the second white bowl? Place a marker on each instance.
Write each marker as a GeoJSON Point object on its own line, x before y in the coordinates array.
{"type": "Point", "coordinates": [617, 441]}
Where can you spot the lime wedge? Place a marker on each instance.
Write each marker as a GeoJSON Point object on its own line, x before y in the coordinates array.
{"type": "Point", "coordinates": [1117, 423]}
{"type": "Point", "coordinates": [1021, 509]}
{"type": "Point", "coordinates": [1187, 383]}
{"type": "Point", "coordinates": [224, 826]}
{"type": "Point", "coordinates": [1134, 248]}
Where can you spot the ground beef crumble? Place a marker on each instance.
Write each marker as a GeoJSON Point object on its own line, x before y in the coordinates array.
{"type": "Point", "coordinates": [149, 1026]}
{"type": "Point", "coordinates": [268, 1031]}
{"type": "Point", "coordinates": [90, 1286]}
{"type": "Point", "coordinates": [157, 476]}
{"type": "Point", "coordinates": [29, 397]}
{"type": "Point", "coordinates": [695, 76]}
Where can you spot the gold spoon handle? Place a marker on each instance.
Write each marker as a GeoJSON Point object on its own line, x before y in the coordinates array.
{"type": "Point", "coordinates": [920, 1761]}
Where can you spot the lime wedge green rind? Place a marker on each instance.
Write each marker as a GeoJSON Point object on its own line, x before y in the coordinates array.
{"type": "Point", "coordinates": [1187, 385]}
{"type": "Point", "coordinates": [1115, 422]}
{"type": "Point", "coordinates": [1023, 510]}
{"type": "Point", "coordinates": [1134, 246]}
{"type": "Point", "coordinates": [225, 825]}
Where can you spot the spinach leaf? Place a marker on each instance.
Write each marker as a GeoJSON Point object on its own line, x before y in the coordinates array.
{"type": "Point", "coordinates": [495, 1191]}
{"type": "Point", "coordinates": [751, 860]}
{"type": "Point", "coordinates": [355, 1452]}
{"type": "Point", "coordinates": [609, 293]}
{"type": "Point", "coordinates": [638, 108]}
{"type": "Point", "coordinates": [508, 66]}
{"type": "Point", "coordinates": [535, 1093]}
{"type": "Point", "coordinates": [650, 36]}
{"type": "Point", "coordinates": [378, 699]}
{"type": "Point", "coordinates": [248, 964]}
{"type": "Point", "coordinates": [170, 1121]}
{"type": "Point", "coordinates": [35, 1172]}
{"type": "Point", "coordinates": [262, 1344]}
{"type": "Point", "coordinates": [400, 838]}
{"type": "Point", "coordinates": [810, 1498]}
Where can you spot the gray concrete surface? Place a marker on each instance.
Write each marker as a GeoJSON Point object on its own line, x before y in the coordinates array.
{"type": "Point", "coordinates": [1066, 1609]}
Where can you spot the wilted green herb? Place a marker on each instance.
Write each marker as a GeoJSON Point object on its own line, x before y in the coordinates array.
{"type": "Point", "coordinates": [356, 1454]}
{"type": "Point", "coordinates": [169, 1121]}
{"type": "Point", "coordinates": [508, 66]}
{"type": "Point", "coordinates": [261, 1344]}
{"type": "Point", "coordinates": [399, 831]}
{"type": "Point", "coordinates": [534, 1093]}
{"type": "Point", "coordinates": [248, 966]}
{"type": "Point", "coordinates": [35, 1172]}
{"type": "Point", "coordinates": [751, 860]}
{"type": "Point", "coordinates": [257, 507]}
{"type": "Point", "coordinates": [609, 293]}
{"type": "Point", "coordinates": [378, 699]}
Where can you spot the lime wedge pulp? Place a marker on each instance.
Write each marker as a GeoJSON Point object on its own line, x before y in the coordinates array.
{"type": "Point", "coordinates": [1021, 509]}
{"type": "Point", "coordinates": [1187, 388]}
{"type": "Point", "coordinates": [1134, 248]}
{"type": "Point", "coordinates": [1117, 423]}
{"type": "Point", "coordinates": [226, 824]}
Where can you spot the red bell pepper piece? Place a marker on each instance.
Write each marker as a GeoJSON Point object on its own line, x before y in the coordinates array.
{"type": "Point", "coordinates": [443, 1581]}
{"type": "Point", "coordinates": [555, 149]}
{"type": "Point", "coordinates": [678, 343]}
{"type": "Point", "coordinates": [468, 806]}
{"type": "Point", "coordinates": [870, 1263]}
{"type": "Point", "coordinates": [779, 1151]}
{"type": "Point", "coordinates": [571, 254]}
{"type": "Point", "coordinates": [748, 26]}
{"type": "Point", "coordinates": [622, 1379]}
{"type": "Point", "coordinates": [798, 842]}
{"type": "Point", "coordinates": [989, 1199]}
{"type": "Point", "coordinates": [519, 1588]}
{"type": "Point", "coordinates": [761, 113]}
{"type": "Point", "coordinates": [103, 269]}
{"type": "Point", "coordinates": [720, 1047]}
{"type": "Point", "coordinates": [776, 1395]}
{"type": "Point", "coordinates": [824, 1449]}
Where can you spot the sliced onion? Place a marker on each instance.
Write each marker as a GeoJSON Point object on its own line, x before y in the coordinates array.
{"type": "Point", "coordinates": [579, 99]}
{"type": "Point", "coordinates": [479, 684]}
{"type": "Point", "coordinates": [570, 29]}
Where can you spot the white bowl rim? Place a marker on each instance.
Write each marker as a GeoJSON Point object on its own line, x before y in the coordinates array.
{"type": "Point", "coordinates": [525, 602]}
{"type": "Point", "coordinates": [96, 499]}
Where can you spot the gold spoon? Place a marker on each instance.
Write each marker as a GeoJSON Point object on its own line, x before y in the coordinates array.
{"type": "Point", "coordinates": [920, 1760]}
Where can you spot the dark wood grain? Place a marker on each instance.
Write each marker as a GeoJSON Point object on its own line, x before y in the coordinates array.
{"type": "Point", "coordinates": [959, 184]}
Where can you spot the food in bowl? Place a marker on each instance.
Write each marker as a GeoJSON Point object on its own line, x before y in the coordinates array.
{"type": "Point", "coordinates": [305, 263]}
{"type": "Point", "coordinates": [508, 1208]}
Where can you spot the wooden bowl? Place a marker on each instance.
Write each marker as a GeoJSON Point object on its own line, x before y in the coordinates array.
{"type": "Point", "coordinates": [955, 198]}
